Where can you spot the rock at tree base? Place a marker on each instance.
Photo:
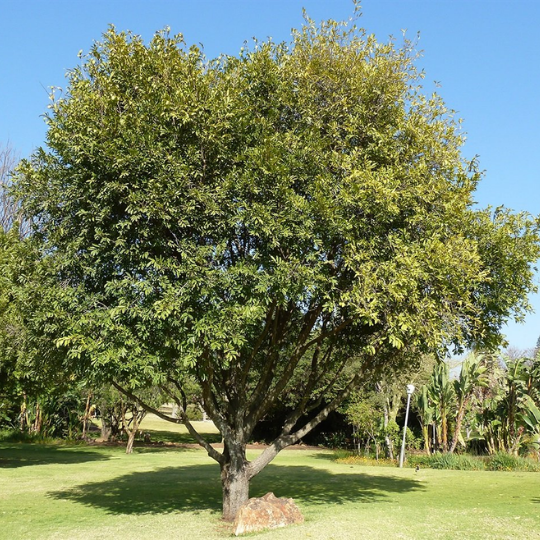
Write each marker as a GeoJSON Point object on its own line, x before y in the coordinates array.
{"type": "Point", "coordinates": [268, 512]}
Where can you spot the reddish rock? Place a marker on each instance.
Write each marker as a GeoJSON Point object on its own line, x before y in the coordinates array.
{"type": "Point", "coordinates": [268, 512]}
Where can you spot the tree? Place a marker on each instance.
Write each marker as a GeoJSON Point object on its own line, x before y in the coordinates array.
{"type": "Point", "coordinates": [33, 393]}
{"type": "Point", "coordinates": [252, 220]}
{"type": "Point", "coordinates": [471, 377]}
{"type": "Point", "coordinates": [10, 211]}
{"type": "Point", "coordinates": [392, 391]}
{"type": "Point", "coordinates": [365, 413]}
{"type": "Point", "coordinates": [425, 412]}
{"type": "Point", "coordinates": [120, 416]}
{"type": "Point", "coordinates": [17, 260]}
{"type": "Point", "coordinates": [441, 394]}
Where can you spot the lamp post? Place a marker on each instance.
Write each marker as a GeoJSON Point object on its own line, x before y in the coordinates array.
{"type": "Point", "coordinates": [410, 390]}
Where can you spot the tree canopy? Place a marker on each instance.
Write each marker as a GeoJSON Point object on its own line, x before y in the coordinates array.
{"type": "Point", "coordinates": [265, 219]}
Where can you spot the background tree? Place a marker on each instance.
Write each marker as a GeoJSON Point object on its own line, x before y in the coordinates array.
{"type": "Point", "coordinates": [471, 377]}
{"type": "Point", "coordinates": [364, 412]}
{"type": "Point", "coordinates": [392, 390]}
{"type": "Point", "coordinates": [424, 409]}
{"type": "Point", "coordinates": [121, 416]}
{"type": "Point", "coordinates": [441, 394]}
{"type": "Point", "coordinates": [10, 210]}
{"type": "Point", "coordinates": [300, 207]}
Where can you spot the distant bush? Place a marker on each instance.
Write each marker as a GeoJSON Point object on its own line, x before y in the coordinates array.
{"type": "Point", "coordinates": [16, 435]}
{"type": "Point", "coordinates": [458, 462]}
{"type": "Point", "coordinates": [507, 462]}
{"type": "Point", "coordinates": [335, 440]}
{"type": "Point", "coordinates": [194, 414]}
{"type": "Point", "coordinates": [349, 458]}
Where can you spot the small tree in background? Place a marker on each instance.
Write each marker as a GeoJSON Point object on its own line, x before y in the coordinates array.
{"type": "Point", "coordinates": [365, 413]}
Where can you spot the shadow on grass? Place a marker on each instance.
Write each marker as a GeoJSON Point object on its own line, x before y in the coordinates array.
{"type": "Point", "coordinates": [24, 455]}
{"type": "Point", "coordinates": [197, 487]}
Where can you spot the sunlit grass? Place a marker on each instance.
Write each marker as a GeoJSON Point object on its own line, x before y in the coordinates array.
{"type": "Point", "coordinates": [163, 492]}
{"type": "Point", "coordinates": [161, 430]}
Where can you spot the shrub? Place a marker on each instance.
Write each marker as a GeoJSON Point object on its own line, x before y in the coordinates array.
{"type": "Point", "coordinates": [507, 462]}
{"type": "Point", "coordinates": [15, 435]}
{"type": "Point", "coordinates": [336, 439]}
{"type": "Point", "coordinates": [456, 462]}
{"type": "Point", "coordinates": [348, 458]}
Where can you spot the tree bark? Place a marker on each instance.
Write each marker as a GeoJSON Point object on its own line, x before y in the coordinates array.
{"type": "Point", "coordinates": [425, 434]}
{"type": "Point", "coordinates": [131, 440]}
{"type": "Point", "coordinates": [387, 439]}
{"type": "Point", "coordinates": [459, 421]}
{"type": "Point", "coordinates": [235, 479]}
{"type": "Point", "coordinates": [86, 416]}
{"type": "Point", "coordinates": [105, 430]}
{"type": "Point", "coordinates": [444, 429]}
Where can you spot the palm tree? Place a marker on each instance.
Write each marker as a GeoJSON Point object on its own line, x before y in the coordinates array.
{"type": "Point", "coordinates": [516, 380]}
{"type": "Point", "coordinates": [441, 393]}
{"type": "Point", "coordinates": [531, 418]}
{"type": "Point", "coordinates": [425, 412]}
{"type": "Point", "coordinates": [471, 377]}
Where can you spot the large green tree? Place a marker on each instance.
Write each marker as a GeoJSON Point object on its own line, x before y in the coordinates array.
{"type": "Point", "coordinates": [299, 207]}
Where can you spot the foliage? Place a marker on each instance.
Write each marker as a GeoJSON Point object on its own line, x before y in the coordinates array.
{"type": "Point", "coordinates": [424, 409]}
{"type": "Point", "coordinates": [471, 377]}
{"type": "Point", "coordinates": [121, 416]}
{"type": "Point", "coordinates": [55, 413]}
{"type": "Point", "coordinates": [347, 458]}
{"type": "Point", "coordinates": [502, 461]}
{"type": "Point", "coordinates": [297, 209]}
{"type": "Point", "coordinates": [508, 417]}
{"type": "Point", "coordinates": [455, 461]}
{"type": "Point", "coordinates": [35, 394]}
{"type": "Point", "coordinates": [441, 393]}
{"type": "Point", "coordinates": [10, 211]}
{"type": "Point", "coordinates": [364, 413]}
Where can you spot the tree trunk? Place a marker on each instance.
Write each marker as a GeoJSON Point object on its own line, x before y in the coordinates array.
{"type": "Point", "coordinates": [133, 427]}
{"type": "Point", "coordinates": [234, 479]}
{"type": "Point", "coordinates": [86, 416]}
{"type": "Point", "coordinates": [131, 440]}
{"type": "Point", "coordinates": [36, 428]}
{"type": "Point", "coordinates": [459, 421]}
{"type": "Point", "coordinates": [106, 430]}
{"type": "Point", "coordinates": [425, 434]}
{"type": "Point", "coordinates": [444, 430]}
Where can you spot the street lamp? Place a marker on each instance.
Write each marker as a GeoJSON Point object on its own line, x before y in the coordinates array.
{"type": "Point", "coordinates": [410, 390]}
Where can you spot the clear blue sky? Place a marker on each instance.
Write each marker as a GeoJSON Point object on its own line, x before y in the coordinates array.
{"type": "Point", "coordinates": [484, 53]}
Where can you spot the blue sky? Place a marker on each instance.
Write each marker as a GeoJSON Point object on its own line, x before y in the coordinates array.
{"type": "Point", "coordinates": [485, 54]}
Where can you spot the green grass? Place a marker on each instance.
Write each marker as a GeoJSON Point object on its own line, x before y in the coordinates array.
{"type": "Point", "coordinates": [162, 431]}
{"type": "Point", "coordinates": [76, 492]}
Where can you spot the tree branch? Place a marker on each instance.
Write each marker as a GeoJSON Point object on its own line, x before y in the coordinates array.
{"type": "Point", "coordinates": [284, 440]}
{"type": "Point", "coordinates": [212, 452]}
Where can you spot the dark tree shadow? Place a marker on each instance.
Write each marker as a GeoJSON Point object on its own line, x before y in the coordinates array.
{"type": "Point", "coordinates": [197, 487]}
{"type": "Point", "coordinates": [318, 486]}
{"type": "Point", "coordinates": [24, 455]}
{"type": "Point", "coordinates": [536, 500]}
{"type": "Point", "coordinates": [170, 489]}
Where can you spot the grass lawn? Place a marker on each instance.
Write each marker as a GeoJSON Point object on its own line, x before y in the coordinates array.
{"type": "Point", "coordinates": [161, 430]}
{"type": "Point", "coordinates": [76, 492]}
